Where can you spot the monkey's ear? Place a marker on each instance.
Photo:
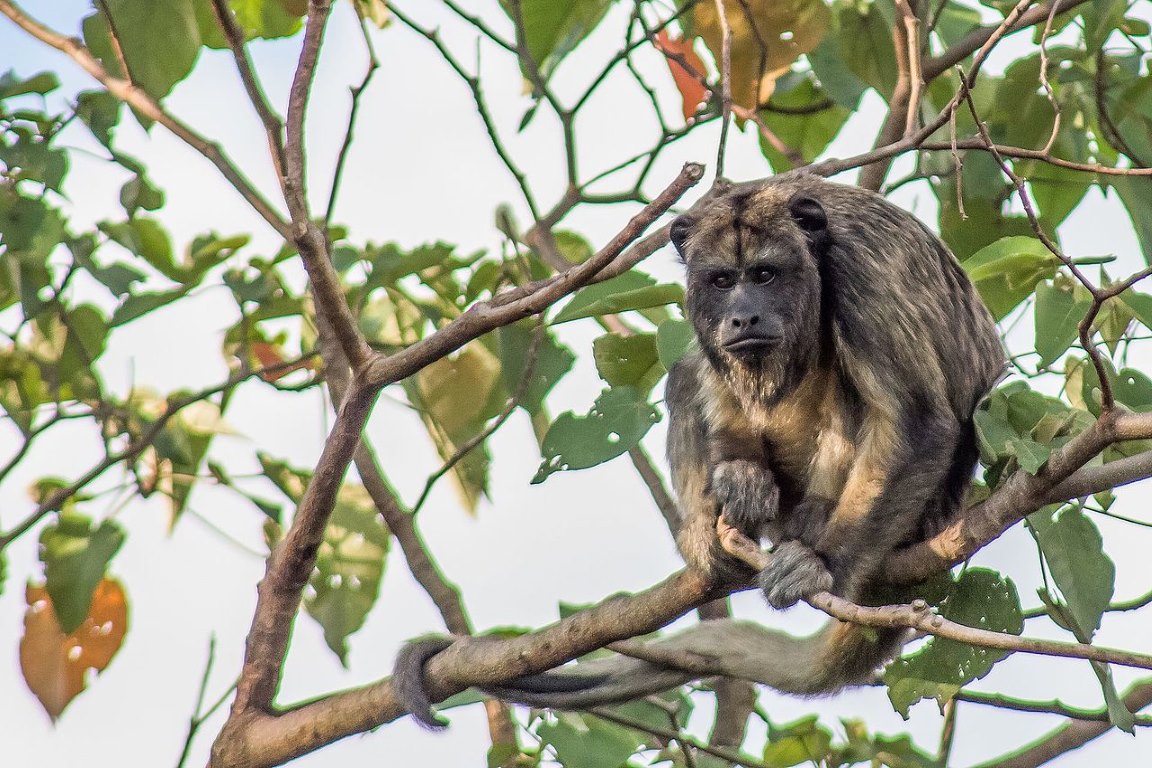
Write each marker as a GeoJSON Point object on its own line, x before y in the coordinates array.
{"type": "Point", "coordinates": [809, 214]}
{"type": "Point", "coordinates": [678, 232]}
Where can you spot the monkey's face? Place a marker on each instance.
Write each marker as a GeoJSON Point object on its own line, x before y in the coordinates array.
{"type": "Point", "coordinates": [753, 286]}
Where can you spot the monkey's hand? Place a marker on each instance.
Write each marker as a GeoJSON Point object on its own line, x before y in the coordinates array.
{"type": "Point", "coordinates": [794, 572]}
{"type": "Point", "coordinates": [748, 495]}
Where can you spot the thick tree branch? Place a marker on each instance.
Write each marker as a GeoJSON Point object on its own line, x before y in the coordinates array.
{"type": "Point", "coordinates": [271, 739]}
{"type": "Point", "coordinates": [1023, 494]}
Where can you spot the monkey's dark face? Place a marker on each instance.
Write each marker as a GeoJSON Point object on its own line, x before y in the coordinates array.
{"type": "Point", "coordinates": [753, 293]}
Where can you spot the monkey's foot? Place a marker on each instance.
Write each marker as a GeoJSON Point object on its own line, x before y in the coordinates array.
{"type": "Point", "coordinates": [794, 572]}
{"type": "Point", "coordinates": [747, 493]}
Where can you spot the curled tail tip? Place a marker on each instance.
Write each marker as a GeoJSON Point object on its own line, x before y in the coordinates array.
{"type": "Point", "coordinates": [408, 680]}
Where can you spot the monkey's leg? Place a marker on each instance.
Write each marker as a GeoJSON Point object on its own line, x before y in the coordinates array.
{"type": "Point", "coordinates": [889, 485]}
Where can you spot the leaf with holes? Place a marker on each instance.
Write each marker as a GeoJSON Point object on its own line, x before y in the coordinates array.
{"type": "Point", "coordinates": [349, 566]}
{"type": "Point", "coordinates": [56, 664]}
{"type": "Point", "coordinates": [617, 421]}
{"type": "Point", "coordinates": [980, 598]}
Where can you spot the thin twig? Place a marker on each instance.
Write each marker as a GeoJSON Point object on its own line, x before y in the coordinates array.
{"type": "Point", "coordinates": [1072, 735]}
{"type": "Point", "coordinates": [1054, 707]}
{"type": "Point", "coordinates": [273, 125]}
{"type": "Point", "coordinates": [357, 91]}
{"type": "Point", "coordinates": [730, 755]}
{"type": "Point", "coordinates": [725, 85]}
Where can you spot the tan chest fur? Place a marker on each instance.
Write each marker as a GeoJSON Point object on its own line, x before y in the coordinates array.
{"type": "Point", "coordinates": [807, 434]}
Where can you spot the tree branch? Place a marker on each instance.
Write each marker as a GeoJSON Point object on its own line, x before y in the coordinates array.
{"type": "Point", "coordinates": [518, 303]}
{"type": "Point", "coordinates": [139, 100]}
{"type": "Point", "coordinates": [1072, 735]}
{"type": "Point", "coordinates": [273, 125]}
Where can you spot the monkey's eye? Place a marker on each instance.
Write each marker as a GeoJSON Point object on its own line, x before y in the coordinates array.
{"type": "Point", "coordinates": [721, 280]}
{"type": "Point", "coordinates": [763, 275]}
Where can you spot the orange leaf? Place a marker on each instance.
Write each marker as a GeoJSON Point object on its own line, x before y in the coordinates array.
{"type": "Point", "coordinates": [55, 665]}
{"type": "Point", "coordinates": [767, 37]}
{"type": "Point", "coordinates": [689, 79]}
{"type": "Point", "coordinates": [269, 356]}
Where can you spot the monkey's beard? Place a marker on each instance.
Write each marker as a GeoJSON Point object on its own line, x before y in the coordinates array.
{"type": "Point", "coordinates": [761, 381]}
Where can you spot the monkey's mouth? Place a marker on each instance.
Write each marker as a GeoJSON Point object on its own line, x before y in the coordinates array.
{"type": "Point", "coordinates": [746, 346]}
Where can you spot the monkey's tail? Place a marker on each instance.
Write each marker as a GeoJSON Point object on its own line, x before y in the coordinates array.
{"type": "Point", "coordinates": [838, 656]}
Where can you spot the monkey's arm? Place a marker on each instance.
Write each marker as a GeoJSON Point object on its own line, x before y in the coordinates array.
{"type": "Point", "coordinates": [714, 470]}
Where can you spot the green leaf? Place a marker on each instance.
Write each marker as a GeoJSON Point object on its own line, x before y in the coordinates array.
{"type": "Point", "coordinates": [553, 30]}
{"type": "Point", "coordinates": [1085, 576]}
{"type": "Point", "coordinates": [1075, 555]}
{"type": "Point", "coordinates": [349, 566]}
{"type": "Point", "coordinates": [809, 133]}
{"type": "Point", "coordinates": [865, 39]}
{"type": "Point", "coordinates": [138, 192]}
{"type": "Point", "coordinates": [1133, 389]}
{"type": "Point", "coordinates": [628, 360]}
{"type": "Point", "coordinates": [1058, 316]}
{"type": "Point", "coordinates": [160, 41]}
{"type": "Point", "coordinates": [632, 290]}
{"type": "Point", "coordinates": [837, 80]}
{"type": "Point", "coordinates": [390, 263]}
{"type": "Point", "coordinates": [100, 111]}
{"type": "Point", "coordinates": [1135, 192]}
{"type": "Point", "coordinates": [588, 742]}
{"type": "Point", "coordinates": [674, 338]}
{"type": "Point", "coordinates": [804, 741]}
{"type": "Point", "coordinates": [12, 84]}
{"type": "Point", "coordinates": [75, 558]}
{"type": "Point", "coordinates": [139, 304]}
{"type": "Point", "coordinates": [269, 19]}
{"type": "Point", "coordinates": [1006, 272]}
{"type": "Point", "coordinates": [980, 598]}
{"type": "Point", "coordinates": [553, 360]}
{"type": "Point", "coordinates": [617, 421]}
{"type": "Point", "coordinates": [1029, 454]}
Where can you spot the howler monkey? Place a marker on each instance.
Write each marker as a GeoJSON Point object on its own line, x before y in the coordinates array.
{"type": "Point", "coordinates": [841, 353]}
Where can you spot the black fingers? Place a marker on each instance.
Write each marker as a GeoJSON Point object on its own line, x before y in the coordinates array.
{"type": "Point", "coordinates": [408, 679]}
{"type": "Point", "coordinates": [795, 572]}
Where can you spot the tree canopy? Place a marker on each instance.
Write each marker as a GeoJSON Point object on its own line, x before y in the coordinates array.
{"type": "Point", "coordinates": [350, 307]}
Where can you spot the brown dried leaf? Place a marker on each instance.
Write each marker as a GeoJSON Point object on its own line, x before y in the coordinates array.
{"type": "Point", "coordinates": [56, 665]}
{"type": "Point", "coordinates": [767, 36]}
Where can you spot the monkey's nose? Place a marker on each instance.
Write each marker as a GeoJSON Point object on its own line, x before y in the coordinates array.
{"type": "Point", "coordinates": [745, 322]}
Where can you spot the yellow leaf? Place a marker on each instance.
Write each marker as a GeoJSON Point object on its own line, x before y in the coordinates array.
{"type": "Point", "coordinates": [56, 665]}
{"type": "Point", "coordinates": [767, 36]}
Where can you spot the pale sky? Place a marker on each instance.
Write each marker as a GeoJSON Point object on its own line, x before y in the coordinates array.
{"type": "Point", "coordinates": [422, 170]}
